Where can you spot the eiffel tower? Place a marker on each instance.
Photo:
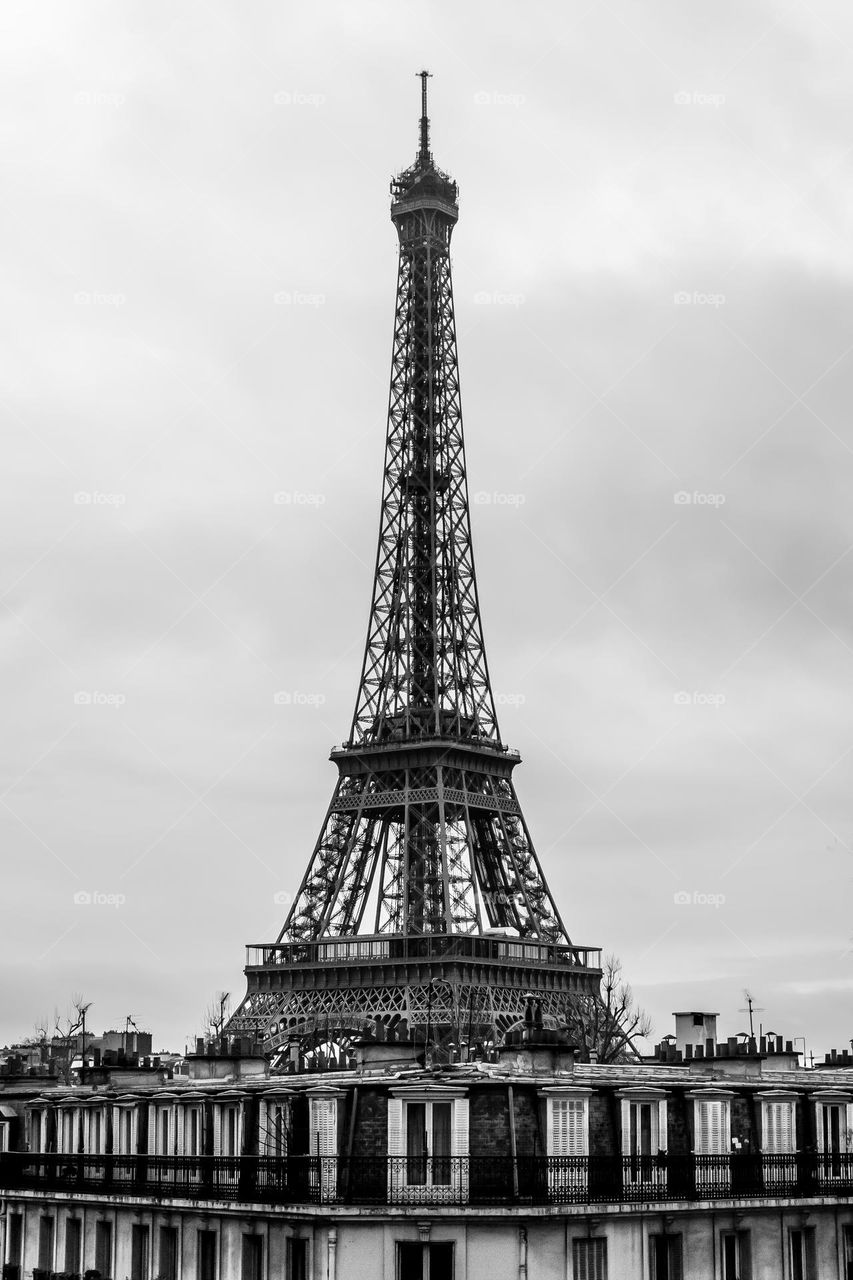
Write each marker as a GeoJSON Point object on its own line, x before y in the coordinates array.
{"type": "Point", "coordinates": [424, 898]}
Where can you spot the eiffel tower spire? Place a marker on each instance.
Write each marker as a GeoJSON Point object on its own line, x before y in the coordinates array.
{"type": "Point", "coordinates": [424, 868]}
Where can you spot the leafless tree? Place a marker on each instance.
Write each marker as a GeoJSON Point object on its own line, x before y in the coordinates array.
{"type": "Point", "coordinates": [610, 1023]}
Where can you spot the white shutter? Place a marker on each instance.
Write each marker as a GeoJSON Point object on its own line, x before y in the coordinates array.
{"type": "Point", "coordinates": [323, 1127]}
{"type": "Point", "coordinates": [459, 1130]}
{"type": "Point", "coordinates": [711, 1136]}
{"type": "Point", "coordinates": [778, 1137]}
{"type": "Point", "coordinates": [396, 1146]}
{"type": "Point", "coordinates": [459, 1145]}
{"type": "Point", "coordinates": [567, 1131]}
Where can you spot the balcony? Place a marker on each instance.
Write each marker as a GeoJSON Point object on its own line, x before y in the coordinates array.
{"type": "Point", "coordinates": [461, 1180]}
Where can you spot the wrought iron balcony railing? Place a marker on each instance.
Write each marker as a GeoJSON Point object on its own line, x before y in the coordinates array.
{"type": "Point", "coordinates": [453, 1180]}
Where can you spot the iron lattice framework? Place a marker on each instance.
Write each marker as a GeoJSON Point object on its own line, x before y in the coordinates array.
{"type": "Point", "coordinates": [424, 837]}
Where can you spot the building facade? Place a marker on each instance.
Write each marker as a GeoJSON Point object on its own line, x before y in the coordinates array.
{"type": "Point", "coordinates": [729, 1163]}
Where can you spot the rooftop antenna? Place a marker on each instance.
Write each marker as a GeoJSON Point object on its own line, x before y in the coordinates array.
{"type": "Point", "coordinates": [424, 151]}
{"type": "Point", "coordinates": [750, 1009]}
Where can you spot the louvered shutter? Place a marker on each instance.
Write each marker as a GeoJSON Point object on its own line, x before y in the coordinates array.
{"type": "Point", "coordinates": [323, 1137]}
{"type": "Point", "coordinates": [778, 1128]}
{"type": "Point", "coordinates": [567, 1130]}
{"type": "Point", "coordinates": [396, 1146]}
{"type": "Point", "coordinates": [459, 1145]}
{"type": "Point", "coordinates": [590, 1260]}
{"type": "Point", "coordinates": [711, 1138]}
{"type": "Point", "coordinates": [324, 1126]}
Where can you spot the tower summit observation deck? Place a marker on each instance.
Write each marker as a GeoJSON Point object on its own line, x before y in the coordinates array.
{"type": "Point", "coordinates": [424, 899]}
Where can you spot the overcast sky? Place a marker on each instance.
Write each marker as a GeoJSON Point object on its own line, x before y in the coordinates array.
{"type": "Point", "coordinates": [652, 274]}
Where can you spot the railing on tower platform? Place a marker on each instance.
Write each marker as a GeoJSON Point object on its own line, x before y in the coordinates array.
{"type": "Point", "coordinates": [390, 947]}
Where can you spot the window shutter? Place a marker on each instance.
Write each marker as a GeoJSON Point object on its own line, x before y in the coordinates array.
{"type": "Point", "coordinates": [324, 1126]}
{"type": "Point", "coordinates": [675, 1260]}
{"type": "Point", "coordinates": [459, 1132]}
{"type": "Point", "coordinates": [396, 1145]}
{"type": "Point", "coordinates": [459, 1144]}
{"type": "Point", "coordinates": [711, 1138]}
{"type": "Point", "coordinates": [744, 1242]}
{"type": "Point", "coordinates": [568, 1130]}
{"type": "Point", "coordinates": [590, 1260]}
{"type": "Point", "coordinates": [778, 1127]}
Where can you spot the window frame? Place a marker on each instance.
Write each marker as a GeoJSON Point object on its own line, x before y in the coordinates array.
{"type": "Point", "coordinates": [592, 1268]}
{"type": "Point", "coordinates": [743, 1254]}
{"type": "Point", "coordinates": [399, 1187]}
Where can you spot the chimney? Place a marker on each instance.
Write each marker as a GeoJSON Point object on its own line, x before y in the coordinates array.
{"type": "Point", "coordinates": [696, 1029]}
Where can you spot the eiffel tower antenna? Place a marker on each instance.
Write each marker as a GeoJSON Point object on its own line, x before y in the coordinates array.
{"type": "Point", "coordinates": [424, 869]}
{"type": "Point", "coordinates": [424, 156]}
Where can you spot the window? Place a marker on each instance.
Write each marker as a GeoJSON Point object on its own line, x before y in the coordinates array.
{"type": "Point", "coordinates": [424, 1261]}
{"type": "Point", "coordinates": [206, 1267]}
{"type": "Point", "coordinates": [777, 1127]}
{"type": "Point", "coordinates": [801, 1241]}
{"type": "Point", "coordinates": [167, 1265]}
{"type": "Point", "coordinates": [125, 1131]}
{"type": "Point", "coordinates": [253, 1258]}
{"type": "Point", "coordinates": [428, 1143]}
{"type": "Point", "coordinates": [228, 1130]}
{"type": "Point", "coordinates": [73, 1241]}
{"type": "Point", "coordinates": [712, 1126]}
{"type": "Point", "coordinates": [5, 1126]}
{"type": "Point", "coordinates": [104, 1248]}
{"type": "Point", "coordinates": [834, 1133]}
{"type": "Point", "coordinates": [192, 1133]}
{"type": "Point", "coordinates": [848, 1253]}
{"type": "Point", "coordinates": [67, 1127]}
{"type": "Point", "coordinates": [46, 1244]}
{"type": "Point", "coordinates": [15, 1243]}
{"type": "Point", "coordinates": [274, 1132]}
{"type": "Point", "coordinates": [36, 1130]}
{"type": "Point", "coordinates": [426, 1137]}
{"type": "Point", "coordinates": [737, 1255]}
{"type": "Point", "coordinates": [644, 1138]}
{"type": "Point", "coordinates": [297, 1259]}
{"type": "Point", "coordinates": [138, 1252]}
{"type": "Point", "coordinates": [665, 1257]}
{"type": "Point", "coordinates": [94, 1132]}
{"type": "Point", "coordinates": [567, 1138]}
{"type": "Point", "coordinates": [590, 1259]}
{"type": "Point", "coordinates": [323, 1127]}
